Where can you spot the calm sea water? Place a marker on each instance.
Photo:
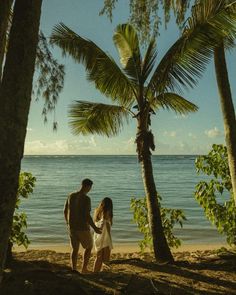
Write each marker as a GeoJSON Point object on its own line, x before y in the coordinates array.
{"type": "Point", "coordinates": [118, 177]}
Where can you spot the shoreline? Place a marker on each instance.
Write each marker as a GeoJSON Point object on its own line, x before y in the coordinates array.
{"type": "Point", "coordinates": [121, 248]}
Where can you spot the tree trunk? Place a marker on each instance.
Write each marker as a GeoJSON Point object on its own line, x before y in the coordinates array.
{"type": "Point", "coordinates": [5, 8]}
{"type": "Point", "coordinates": [9, 256]}
{"type": "Point", "coordinates": [15, 97]}
{"type": "Point", "coordinates": [161, 248]}
{"type": "Point", "coordinates": [228, 112]}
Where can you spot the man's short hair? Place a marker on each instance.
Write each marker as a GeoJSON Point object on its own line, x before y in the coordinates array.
{"type": "Point", "coordinates": [87, 182]}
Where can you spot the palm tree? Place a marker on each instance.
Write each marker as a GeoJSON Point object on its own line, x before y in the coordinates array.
{"type": "Point", "coordinates": [15, 97]}
{"type": "Point", "coordinates": [142, 85]}
{"type": "Point", "coordinates": [227, 106]}
{"type": "Point", "coordinates": [179, 8]}
{"type": "Point", "coordinates": [5, 9]}
{"type": "Point", "coordinates": [228, 112]}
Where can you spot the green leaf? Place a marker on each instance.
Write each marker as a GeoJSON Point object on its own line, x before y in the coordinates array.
{"type": "Point", "coordinates": [184, 63]}
{"type": "Point", "coordinates": [97, 118]}
{"type": "Point", "coordinates": [222, 216]}
{"type": "Point", "coordinates": [173, 101]}
{"type": "Point", "coordinates": [101, 68]}
{"type": "Point", "coordinates": [170, 217]}
{"type": "Point", "coordinates": [126, 41]}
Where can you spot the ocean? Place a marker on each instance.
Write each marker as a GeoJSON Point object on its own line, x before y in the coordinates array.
{"type": "Point", "coordinates": [117, 177]}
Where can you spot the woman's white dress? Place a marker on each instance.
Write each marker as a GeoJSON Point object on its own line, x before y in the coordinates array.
{"type": "Point", "coordinates": [104, 239]}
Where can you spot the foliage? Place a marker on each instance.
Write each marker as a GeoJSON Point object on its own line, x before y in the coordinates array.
{"type": "Point", "coordinates": [49, 75]}
{"type": "Point", "coordinates": [139, 80]}
{"type": "Point", "coordinates": [145, 15]}
{"type": "Point", "coordinates": [126, 86]}
{"type": "Point", "coordinates": [210, 194]}
{"type": "Point", "coordinates": [26, 186]}
{"type": "Point", "coordinates": [49, 81]}
{"type": "Point", "coordinates": [103, 117]}
{"type": "Point", "coordinates": [169, 217]}
{"type": "Point", "coordinates": [139, 83]}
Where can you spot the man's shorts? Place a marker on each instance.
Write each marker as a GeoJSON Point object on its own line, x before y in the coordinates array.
{"type": "Point", "coordinates": [83, 237]}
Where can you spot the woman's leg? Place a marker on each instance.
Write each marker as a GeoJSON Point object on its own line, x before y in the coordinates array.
{"type": "Point", "coordinates": [106, 255]}
{"type": "Point", "coordinates": [98, 261]}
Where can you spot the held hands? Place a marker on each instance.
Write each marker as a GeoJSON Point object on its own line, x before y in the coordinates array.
{"type": "Point", "coordinates": [97, 230]}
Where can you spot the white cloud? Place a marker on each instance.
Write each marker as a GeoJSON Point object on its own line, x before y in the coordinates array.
{"type": "Point", "coordinates": [29, 129]}
{"type": "Point", "coordinates": [128, 146]}
{"type": "Point", "coordinates": [191, 135]}
{"type": "Point", "coordinates": [93, 141]}
{"type": "Point", "coordinates": [81, 146]}
{"type": "Point", "coordinates": [182, 116]}
{"type": "Point", "coordinates": [61, 147]}
{"type": "Point", "coordinates": [212, 133]}
{"type": "Point", "coordinates": [181, 148]}
{"type": "Point", "coordinates": [169, 133]}
{"type": "Point", "coordinates": [131, 141]}
{"type": "Point", "coordinates": [42, 147]}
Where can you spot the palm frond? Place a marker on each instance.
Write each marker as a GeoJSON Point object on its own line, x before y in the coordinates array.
{"type": "Point", "coordinates": [97, 118]}
{"type": "Point", "coordinates": [174, 102]}
{"type": "Point", "coordinates": [182, 65]}
{"type": "Point", "coordinates": [126, 40]}
{"type": "Point", "coordinates": [149, 60]}
{"type": "Point", "coordinates": [101, 68]}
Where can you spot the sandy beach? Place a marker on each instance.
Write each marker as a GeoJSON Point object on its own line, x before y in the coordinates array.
{"type": "Point", "coordinates": [198, 269]}
{"type": "Point", "coordinates": [123, 248]}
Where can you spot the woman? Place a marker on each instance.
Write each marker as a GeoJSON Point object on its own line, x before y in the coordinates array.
{"type": "Point", "coordinates": [103, 243]}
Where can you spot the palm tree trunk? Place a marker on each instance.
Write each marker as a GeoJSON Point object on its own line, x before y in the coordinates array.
{"type": "Point", "coordinates": [228, 112]}
{"type": "Point", "coordinates": [160, 246]}
{"type": "Point", "coordinates": [5, 8]}
{"type": "Point", "coordinates": [15, 97]}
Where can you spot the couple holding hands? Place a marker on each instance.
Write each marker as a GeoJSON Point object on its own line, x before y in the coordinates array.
{"type": "Point", "coordinates": [77, 215]}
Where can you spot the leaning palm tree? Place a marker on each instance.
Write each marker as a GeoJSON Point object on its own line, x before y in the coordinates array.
{"type": "Point", "coordinates": [226, 101]}
{"type": "Point", "coordinates": [142, 85]}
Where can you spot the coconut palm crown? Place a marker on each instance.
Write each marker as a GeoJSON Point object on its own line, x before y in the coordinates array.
{"type": "Point", "coordinates": [139, 82]}
{"type": "Point", "coordinates": [140, 87]}
{"type": "Point", "coordinates": [131, 86]}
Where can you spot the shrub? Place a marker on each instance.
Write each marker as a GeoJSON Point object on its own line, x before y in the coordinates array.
{"type": "Point", "coordinates": [26, 187]}
{"type": "Point", "coordinates": [170, 217]}
{"type": "Point", "coordinates": [211, 194]}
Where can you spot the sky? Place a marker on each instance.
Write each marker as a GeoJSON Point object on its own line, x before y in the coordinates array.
{"type": "Point", "coordinates": [174, 134]}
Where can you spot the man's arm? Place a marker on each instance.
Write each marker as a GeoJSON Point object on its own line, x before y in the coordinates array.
{"type": "Point", "coordinates": [66, 211]}
{"type": "Point", "coordinates": [95, 228]}
{"type": "Point", "coordinates": [90, 220]}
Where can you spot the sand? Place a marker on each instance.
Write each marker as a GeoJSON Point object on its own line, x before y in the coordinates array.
{"type": "Point", "coordinates": [122, 248]}
{"type": "Point", "coordinates": [198, 269]}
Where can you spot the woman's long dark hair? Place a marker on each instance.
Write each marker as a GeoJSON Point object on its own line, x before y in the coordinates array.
{"type": "Point", "coordinates": [104, 209]}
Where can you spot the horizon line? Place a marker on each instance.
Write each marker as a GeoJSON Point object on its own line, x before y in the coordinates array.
{"type": "Point", "coordinates": [109, 155]}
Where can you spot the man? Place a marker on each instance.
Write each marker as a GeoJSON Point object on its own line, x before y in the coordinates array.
{"type": "Point", "coordinates": [77, 215]}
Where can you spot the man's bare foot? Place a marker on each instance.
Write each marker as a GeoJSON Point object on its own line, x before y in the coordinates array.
{"type": "Point", "coordinates": [86, 271]}
{"type": "Point", "coordinates": [74, 271]}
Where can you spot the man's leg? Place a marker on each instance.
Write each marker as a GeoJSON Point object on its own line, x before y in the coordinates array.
{"type": "Point", "coordinates": [98, 261]}
{"type": "Point", "coordinates": [86, 241]}
{"type": "Point", "coordinates": [74, 241]}
{"type": "Point", "coordinates": [74, 257]}
{"type": "Point", "coordinates": [86, 257]}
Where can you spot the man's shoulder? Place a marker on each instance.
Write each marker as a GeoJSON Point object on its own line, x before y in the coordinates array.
{"type": "Point", "coordinates": [85, 197]}
{"type": "Point", "coordinates": [79, 196]}
{"type": "Point", "coordinates": [73, 195]}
